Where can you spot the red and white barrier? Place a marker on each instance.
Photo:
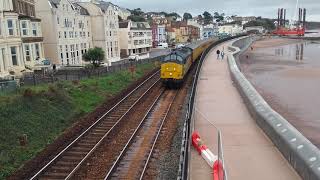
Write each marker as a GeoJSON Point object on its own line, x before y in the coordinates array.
{"type": "Point", "coordinates": [208, 156]}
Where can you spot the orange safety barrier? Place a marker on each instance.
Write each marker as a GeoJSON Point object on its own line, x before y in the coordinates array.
{"type": "Point", "coordinates": [218, 172]}
{"type": "Point", "coordinates": [208, 156]}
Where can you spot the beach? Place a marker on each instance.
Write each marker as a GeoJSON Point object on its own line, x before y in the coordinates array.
{"type": "Point", "coordinates": [287, 74]}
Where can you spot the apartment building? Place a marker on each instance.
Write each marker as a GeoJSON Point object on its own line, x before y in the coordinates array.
{"type": "Point", "coordinates": [105, 28]}
{"type": "Point", "coordinates": [67, 31]}
{"type": "Point", "coordinates": [196, 23]}
{"type": "Point", "coordinates": [230, 29]}
{"type": "Point", "coordinates": [21, 42]}
{"type": "Point", "coordinates": [135, 38]}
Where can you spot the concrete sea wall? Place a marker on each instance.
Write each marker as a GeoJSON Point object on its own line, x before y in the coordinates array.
{"type": "Point", "coordinates": [297, 149]}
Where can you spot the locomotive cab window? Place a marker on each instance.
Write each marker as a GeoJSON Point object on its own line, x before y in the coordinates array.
{"type": "Point", "coordinates": [167, 58]}
{"type": "Point", "coordinates": [179, 58]}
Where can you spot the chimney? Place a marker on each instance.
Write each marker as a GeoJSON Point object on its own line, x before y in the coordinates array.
{"type": "Point", "coordinates": [278, 17]}
{"type": "Point", "coordinates": [304, 17]}
{"type": "Point", "coordinates": [284, 17]}
{"type": "Point", "coordinates": [281, 16]}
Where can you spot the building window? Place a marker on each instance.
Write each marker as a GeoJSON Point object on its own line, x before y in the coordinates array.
{"type": "Point", "coordinates": [65, 34]}
{"type": "Point", "coordinates": [37, 47]}
{"type": "Point", "coordinates": [88, 34]}
{"type": "Point", "coordinates": [77, 49]}
{"type": "Point", "coordinates": [14, 57]}
{"type": "Point", "coordinates": [59, 34]}
{"type": "Point", "coordinates": [67, 54]}
{"type": "Point", "coordinates": [58, 20]}
{"type": "Point", "coordinates": [81, 46]}
{"type": "Point", "coordinates": [34, 29]}
{"type": "Point", "coordinates": [27, 52]}
{"type": "Point", "coordinates": [24, 28]}
{"type": "Point", "coordinates": [10, 27]}
{"type": "Point", "coordinates": [72, 54]}
{"type": "Point", "coordinates": [61, 53]}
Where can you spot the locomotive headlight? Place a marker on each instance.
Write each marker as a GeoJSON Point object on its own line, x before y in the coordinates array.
{"type": "Point", "coordinates": [167, 69]}
{"type": "Point", "coordinates": [174, 69]}
{"type": "Point", "coordinates": [170, 74]}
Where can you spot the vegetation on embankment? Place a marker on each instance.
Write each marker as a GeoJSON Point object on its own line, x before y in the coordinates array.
{"type": "Point", "coordinates": [40, 114]}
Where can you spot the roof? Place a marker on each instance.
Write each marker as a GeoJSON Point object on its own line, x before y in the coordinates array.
{"type": "Point", "coordinates": [140, 25]}
{"type": "Point", "coordinates": [54, 3]}
{"type": "Point", "coordinates": [104, 5]}
{"type": "Point", "coordinates": [169, 29]}
{"type": "Point", "coordinates": [196, 44]}
{"type": "Point", "coordinates": [83, 11]}
{"type": "Point", "coordinates": [135, 25]}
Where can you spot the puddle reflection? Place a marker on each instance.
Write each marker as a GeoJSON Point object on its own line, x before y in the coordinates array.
{"type": "Point", "coordinates": [296, 50]}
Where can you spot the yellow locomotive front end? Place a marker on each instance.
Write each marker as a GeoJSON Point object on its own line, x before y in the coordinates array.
{"type": "Point", "coordinates": [172, 72]}
{"type": "Point", "coordinates": [175, 66]}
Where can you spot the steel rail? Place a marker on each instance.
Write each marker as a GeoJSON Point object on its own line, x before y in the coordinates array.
{"type": "Point", "coordinates": [96, 122]}
{"type": "Point", "coordinates": [156, 139]}
{"type": "Point", "coordinates": [115, 164]}
{"type": "Point", "coordinates": [132, 137]}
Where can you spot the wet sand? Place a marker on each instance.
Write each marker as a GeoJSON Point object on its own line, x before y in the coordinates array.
{"type": "Point", "coordinates": [287, 74]}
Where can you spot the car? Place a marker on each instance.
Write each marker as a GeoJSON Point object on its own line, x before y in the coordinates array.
{"type": "Point", "coordinates": [163, 46]}
{"type": "Point", "coordinates": [103, 64]}
{"type": "Point", "coordinates": [133, 57]}
{"type": "Point", "coordinates": [179, 46]}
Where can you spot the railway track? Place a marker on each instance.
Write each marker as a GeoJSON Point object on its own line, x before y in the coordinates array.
{"type": "Point", "coordinates": [134, 157]}
{"type": "Point", "coordinates": [66, 163]}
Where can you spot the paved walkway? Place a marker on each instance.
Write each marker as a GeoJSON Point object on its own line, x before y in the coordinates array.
{"type": "Point", "coordinates": [248, 152]}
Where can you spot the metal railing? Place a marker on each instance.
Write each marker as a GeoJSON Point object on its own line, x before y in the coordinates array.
{"type": "Point", "coordinates": [69, 74]}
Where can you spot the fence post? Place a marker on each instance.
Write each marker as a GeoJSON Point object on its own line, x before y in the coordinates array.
{"type": "Point", "coordinates": [34, 80]}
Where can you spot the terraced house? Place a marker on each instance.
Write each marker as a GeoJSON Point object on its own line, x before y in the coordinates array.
{"type": "Point", "coordinates": [105, 27]}
{"type": "Point", "coordinates": [67, 31]}
{"type": "Point", "coordinates": [21, 42]}
{"type": "Point", "coordinates": [135, 38]}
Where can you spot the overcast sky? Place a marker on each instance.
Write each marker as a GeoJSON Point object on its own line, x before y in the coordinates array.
{"type": "Point", "coordinates": [265, 8]}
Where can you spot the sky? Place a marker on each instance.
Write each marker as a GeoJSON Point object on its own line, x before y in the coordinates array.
{"type": "Point", "coordinates": [264, 8]}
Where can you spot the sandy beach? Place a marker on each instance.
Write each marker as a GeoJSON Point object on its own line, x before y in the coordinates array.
{"type": "Point", "coordinates": [287, 74]}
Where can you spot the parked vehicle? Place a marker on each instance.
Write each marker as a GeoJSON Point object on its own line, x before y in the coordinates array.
{"type": "Point", "coordinates": [180, 46]}
{"type": "Point", "coordinates": [133, 57]}
{"type": "Point", "coordinates": [163, 45]}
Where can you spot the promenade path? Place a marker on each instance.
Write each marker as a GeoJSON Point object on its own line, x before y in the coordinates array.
{"type": "Point", "coordinates": [248, 152]}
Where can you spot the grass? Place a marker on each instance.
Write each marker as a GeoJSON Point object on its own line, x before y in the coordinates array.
{"type": "Point", "coordinates": [42, 113]}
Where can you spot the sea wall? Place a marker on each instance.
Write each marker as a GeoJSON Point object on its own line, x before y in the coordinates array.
{"type": "Point", "coordinates": [297, 149]}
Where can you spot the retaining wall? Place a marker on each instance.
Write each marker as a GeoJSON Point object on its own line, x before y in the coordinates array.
{"type": "Point", "coordinates": [297, 149]}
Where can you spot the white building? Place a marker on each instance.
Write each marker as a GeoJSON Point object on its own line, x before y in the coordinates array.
{"type": "Point", "coordinates": [209, 30]}
{"type": "Point", "coordinates": [161, 34]}
{"type": "Point", "coordinates": [230, 29]}
{"type": "Point", "coordinates": [66, 31]}
{"type": "Point", "coordinates": [20, 37]}
{"type": "Point", "coordinates": [135, 38]}
{"type": "Point", "coordinates": [259, 29]}
{"type": "Point", "coordinates": [105, 28]}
